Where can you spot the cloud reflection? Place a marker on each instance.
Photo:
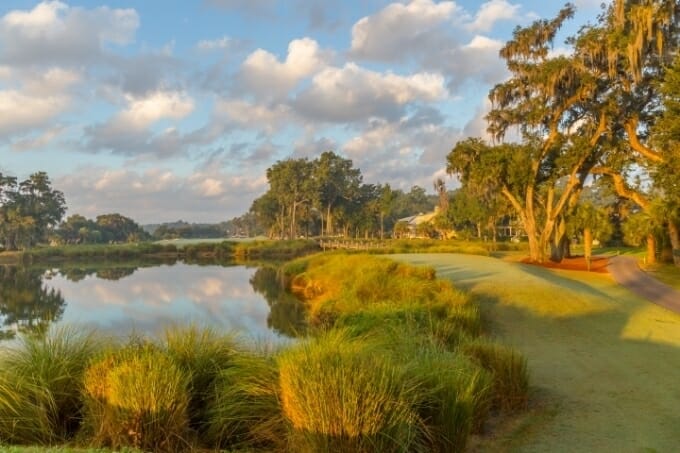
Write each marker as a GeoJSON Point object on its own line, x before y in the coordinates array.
{"type": "Point", "coordinates": [153, 298]}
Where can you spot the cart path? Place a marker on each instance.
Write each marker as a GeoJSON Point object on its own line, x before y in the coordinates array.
{"type": "Point", "coordinates": [627, 273]}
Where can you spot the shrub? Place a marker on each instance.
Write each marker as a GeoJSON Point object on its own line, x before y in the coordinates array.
{"type": "Point", "coordinates": [137, 396]}
{"type": "Point", "coordinates": [40, 386]}
{"type": "Point", "coordinates": [508, 369]}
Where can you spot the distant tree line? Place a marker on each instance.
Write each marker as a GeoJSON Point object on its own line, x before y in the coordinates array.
{"type": "Point", "coordinates": [31, 213]}
{"type": "Point", "coordinates": [29, 210]}
{"type": "Point", "coordinates": [327, 196]}
{"type": "Point", "coordinates": [105, 229]}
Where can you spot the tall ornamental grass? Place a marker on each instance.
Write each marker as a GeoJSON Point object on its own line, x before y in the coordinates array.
{"type": "Point", "coordinates": [508, 369]}
{"type": "Point", "coordinates": [40, 386]}
{"type": "Point", "coordinates": [137, 396]}
{"type": "Point", "coordinates": [201, 353]}
{"type": "Point", "coordinates": [245, 410]}
{"type": "Point", "coordinates": [333, 285]}
{"type": "Point", "coordinates": [341, 394]}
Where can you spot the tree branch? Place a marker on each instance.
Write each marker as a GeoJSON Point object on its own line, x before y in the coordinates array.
{"type": "Point", "coordinates": [631, 129]}
{"type": "Point", "coordinates": [621, 187]}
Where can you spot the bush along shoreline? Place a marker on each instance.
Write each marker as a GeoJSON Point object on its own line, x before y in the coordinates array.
{"type": "Point", "coordinates": [394, 361]}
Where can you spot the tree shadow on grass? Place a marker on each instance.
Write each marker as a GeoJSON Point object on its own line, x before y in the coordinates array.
{"type": "Point", "coordinates": [562, 281]}
{"type": "Point", "coordinates": [609, 392]}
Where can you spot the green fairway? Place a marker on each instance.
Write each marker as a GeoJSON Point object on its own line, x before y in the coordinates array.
{"type": "Point", "coordinates": [605, 364]}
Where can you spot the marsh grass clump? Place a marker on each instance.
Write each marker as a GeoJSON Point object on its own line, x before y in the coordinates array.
{"type": "Point", "coordinates": [341, 394]}
{"type": "Point", "coordinates": [333, 285]}
{"type": "Point", "coordinates": [245, 410]}
{"type": "Point", "coordinates": [508, 369]}
{"type": "Point", "coordinates": [138, 397]}
{"type": "Point", "coordinates": [40, 386]}
{"type": "Point", "coordinates": [455, 397]}
{"type": "Point", "coordinates": [202, 354]}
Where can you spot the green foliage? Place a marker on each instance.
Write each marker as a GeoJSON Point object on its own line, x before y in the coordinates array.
{"type": "Point", "coordinates": [508, 369]}
{"type": "Point", "coordinates": [28, 210]}
{"type": "Point", "coordinates": [202, 354]}
{"type": "Point", "coordinates": [40, 386]}
{"type": "Point", "coordinates": [245, 411]}
{"type": "Point", "coordinates": [105, 229]}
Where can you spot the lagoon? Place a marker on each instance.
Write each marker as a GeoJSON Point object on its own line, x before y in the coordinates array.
{"type": "Point", "coordinates": [124, 299]}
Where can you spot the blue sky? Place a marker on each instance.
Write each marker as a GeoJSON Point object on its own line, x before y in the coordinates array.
{"type": "Point", "coordinates": [167, 110]}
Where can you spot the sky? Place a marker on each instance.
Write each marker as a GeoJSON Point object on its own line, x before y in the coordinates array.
{"type": "Point", "coordinates": [164, 110]}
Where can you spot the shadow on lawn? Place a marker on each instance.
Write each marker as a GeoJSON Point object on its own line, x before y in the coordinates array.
{"type": "Point", "coordinates": [593, 389]}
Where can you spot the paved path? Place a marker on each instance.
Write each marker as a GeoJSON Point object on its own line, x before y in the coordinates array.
{"type": "Point", "coordinates": [626, 272]}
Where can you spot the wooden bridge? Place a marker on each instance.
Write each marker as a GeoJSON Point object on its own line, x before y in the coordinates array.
{"type": "Point", "coordinates": [348, 244]}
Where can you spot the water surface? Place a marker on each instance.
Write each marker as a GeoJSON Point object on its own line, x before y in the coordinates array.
{"type": "Point", "coordinates": [124, 299]}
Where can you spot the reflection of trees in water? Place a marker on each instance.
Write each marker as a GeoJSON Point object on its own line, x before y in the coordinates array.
{"type": "Point", "coordinates": [76, 274]}
{"type": "Point", "coordinates": [25, 304]}
{"type": "Point", "coordinates": [287, 313]}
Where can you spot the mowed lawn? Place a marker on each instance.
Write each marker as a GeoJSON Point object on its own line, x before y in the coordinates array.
{"type": "Point", "coordinates": [605, 364]}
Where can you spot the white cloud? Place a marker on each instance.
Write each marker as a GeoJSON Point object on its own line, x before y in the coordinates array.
{"type": "Point", "coordinates": [494, 11]}
{"type": "Point", "coordinates": [593, 4]}
{"type": "Point", "coordinates": [143, 112]}
{"type": "Point", "coordinates": [160, 194]}
{"type": "Point", "coordinates": [55, 33]}
{"type": "Point", "coordinates": [248, 115]}
{"type": "Point", "coordinates": [399, 29]}
{"type": "Point", "coordinates": [352, 93]}
{"type": "Point", "coordinates": [35, 103]}
{"type": "Point", "coordinates": [267, 77]}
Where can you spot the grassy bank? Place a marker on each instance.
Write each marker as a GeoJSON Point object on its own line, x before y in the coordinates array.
{"type": "Point", "coordinates": [604, 363]}
{"type": "Point", "coordinates": [217, 250]}
{"type": "Point", "coordinates": [395, 362]}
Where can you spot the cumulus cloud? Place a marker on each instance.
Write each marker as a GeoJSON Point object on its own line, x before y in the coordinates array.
{"type": "Point", "coordinates": [36, 102]}
{"type": "Point", "coordinates": [128, 132]}
{"type": "Point", "coordinates": [399, 29]}
{"type": "Point", "coordinates": [404, 152]}
{"type": "Point", "coordinates": [266, 77]}
{"type": "Point", "coordinates": [494, 11]}
{"type": "Point", "coordinates": [249, 115]}
{"type": "Point", "coordinates": [352, 93]}
{"type": "Point", "coordinates": [159, 194]}
{"type": "Point", "coordinates": [55, 33]}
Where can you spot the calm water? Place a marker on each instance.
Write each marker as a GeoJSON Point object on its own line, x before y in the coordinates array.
{"type": "Point", "coordinates": [124, 299]}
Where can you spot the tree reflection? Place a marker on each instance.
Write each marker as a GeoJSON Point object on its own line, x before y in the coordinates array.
{"type": "Point", "coordinates": [26, 305]}
{"type": "Point", "coordinates": [286, 312]}
{"type": "Point", "coordinates": [76, 274]}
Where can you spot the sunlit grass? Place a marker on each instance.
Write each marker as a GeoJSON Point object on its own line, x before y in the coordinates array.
{"type": "Point", "coordinates": [137, 396]}
{"type": "Point", "coordinates": [342, 394]}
